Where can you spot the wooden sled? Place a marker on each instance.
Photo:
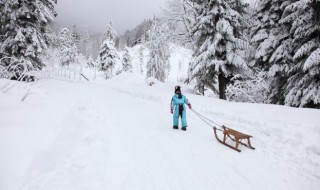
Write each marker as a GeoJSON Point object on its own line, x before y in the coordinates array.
{"type": "Point", "coordinates": [234, 135]}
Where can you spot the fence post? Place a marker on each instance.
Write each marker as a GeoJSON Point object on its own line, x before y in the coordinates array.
{"type": "Point", "coordinates": [80, 72]}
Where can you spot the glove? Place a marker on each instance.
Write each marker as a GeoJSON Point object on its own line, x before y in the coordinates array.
{"type": "Point", "coordinates": [189, 105]}
{"type": "Point", "coordinates": [171, 111]}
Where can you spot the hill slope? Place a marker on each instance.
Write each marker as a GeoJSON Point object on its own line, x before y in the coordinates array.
{"type": "Point", "coordinates": [117, 134]}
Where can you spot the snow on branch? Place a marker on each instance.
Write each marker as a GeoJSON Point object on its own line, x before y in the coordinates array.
{"type": "Point", "coordinates": [313, 60]}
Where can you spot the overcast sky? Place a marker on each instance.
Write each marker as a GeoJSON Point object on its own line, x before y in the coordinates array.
{"type": "Point", "coordinates": [95, 14]}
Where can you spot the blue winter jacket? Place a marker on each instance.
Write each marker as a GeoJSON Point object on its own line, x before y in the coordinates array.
{"type": "Point", "coordinates": [179, 106]}
{"type": "Point", "coordinates": [176, 101]}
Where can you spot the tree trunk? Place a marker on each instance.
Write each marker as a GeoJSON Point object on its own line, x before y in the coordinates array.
{"type": "Point", "coordinates": [202, 90]}
{"type": "Point", "coordinates": [222, 86]}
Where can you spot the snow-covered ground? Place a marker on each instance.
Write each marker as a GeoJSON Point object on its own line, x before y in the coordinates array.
{"type": "Point", "coordinates": [117, 134]}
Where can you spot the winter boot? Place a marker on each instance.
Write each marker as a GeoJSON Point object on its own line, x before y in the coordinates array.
{"type": "Point", "coordinates": [175, 127]}
{"type": "Point", "coordinates": [184, 128]}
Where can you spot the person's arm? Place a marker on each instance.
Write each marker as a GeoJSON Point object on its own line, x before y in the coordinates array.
{"type": "Point", "coordinates": [172, 104]}
{"type": "Point", "coordinates": [186, 101]}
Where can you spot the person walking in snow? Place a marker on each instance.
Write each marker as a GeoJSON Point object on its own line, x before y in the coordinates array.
{"type": "Point", "coordinates": [178, 108]}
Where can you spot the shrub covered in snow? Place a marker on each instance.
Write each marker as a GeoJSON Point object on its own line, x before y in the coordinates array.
{"type": "Point", "coordinates": [151, 81]}
{"type": "Point", "coordinates": [254, 89]}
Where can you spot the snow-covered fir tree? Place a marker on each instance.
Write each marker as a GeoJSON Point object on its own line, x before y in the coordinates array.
{"type": "Point", "coordinates": [272, 43]}
{"type": "Point", "coordinates": [303, 87]}
{"type": "Point", "coordinates": [67, 49]}
{"type": "Point", "coordinates": [94, 44]}
{"type": "Point", "coordinates": [85, 42]}
{"type": "Point", "coordinates": [108, 53]}
{"type": "Point", "coordinates": [141, 59]}
{"type": "Point", "coordinates": [268, 33]}
{"type": "Point", "coordinates": [158, 64]}
{"type": "Point", "coordinates": [23, 33]}
{"type": "Point", "coordinates": [110, 33]}
{"type": "Point", "coordinates": [127, 60]}
{"type": "Point", "coordinates": [76, 36]}
{"type": "Point", "coordinates": [91, 63]}
{"type": "Point", "coordinates": [220, 42]}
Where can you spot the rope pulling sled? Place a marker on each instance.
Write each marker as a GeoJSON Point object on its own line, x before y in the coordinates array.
{"type": "Point", "coordinates": [232, 134]}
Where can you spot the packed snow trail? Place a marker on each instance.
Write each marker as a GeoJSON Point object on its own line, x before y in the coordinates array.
{"type": "Point", "coordinates": [118, 135]}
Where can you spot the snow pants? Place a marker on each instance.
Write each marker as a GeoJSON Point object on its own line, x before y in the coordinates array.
{"type": "Point", "coordinates": [180, 111]}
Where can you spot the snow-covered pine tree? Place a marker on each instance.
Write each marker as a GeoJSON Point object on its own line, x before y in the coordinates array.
{"type": "Point", "coordinates": [303, 88]}
{"type": "Point", "coordinates": [110, 33]}
{"type": "Point", "coordinates": [141, 59]}
{"type": "Point", "coordinates": [94, 44]}
{"type": "Point", "coordinates": [91, 63]}
{"type": "Point", "coordinates": [67, 49]}
{"type": "Point", "coordinates": [23, 29]}
{"type": "Point", "coordinates": [108, 53]}
{"type": "Point", "coordinates": [126, 60]}
{"type": "Point", "coordinates": [272, 43]}
{"type": "Point", "coordinates": [219, 41]}
{"type": "Point", "coordinates": [76, 36]}
{"type": "Point", "coordinates": [84, 43]}
{"type": "Point", "coordinates": [158, 64]}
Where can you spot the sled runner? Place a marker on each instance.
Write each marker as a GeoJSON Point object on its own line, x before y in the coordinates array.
{"type": "Point", "coordinates": [234, 135]}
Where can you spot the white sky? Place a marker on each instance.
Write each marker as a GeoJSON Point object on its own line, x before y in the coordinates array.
{"type": "Point", "coordinates": [95, 14]}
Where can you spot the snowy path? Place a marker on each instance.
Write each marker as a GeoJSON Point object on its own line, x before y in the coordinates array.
{"type": "Point", "coordinates": [119, 136]}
